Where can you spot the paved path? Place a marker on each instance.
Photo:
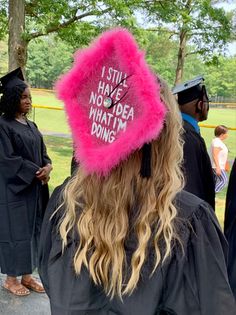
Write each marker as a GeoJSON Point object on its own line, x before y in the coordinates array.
{"type": "Point", "coordinates": [35, 303]}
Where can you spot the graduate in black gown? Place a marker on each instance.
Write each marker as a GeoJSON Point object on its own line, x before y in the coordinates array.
{"type": "Point", "coordinates": [194, 106]}
{"type": "Point", "coordinates": [24, 173]}
{"type": "Point", "coordinates": [230, 226]}
{"type": "Point", "coordinates": [122, 237]}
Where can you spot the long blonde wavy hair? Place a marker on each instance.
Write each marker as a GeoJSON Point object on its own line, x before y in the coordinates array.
{"type": "Point", "coordinates": [100, 210]}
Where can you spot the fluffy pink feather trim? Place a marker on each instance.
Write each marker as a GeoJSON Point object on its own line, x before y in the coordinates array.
{"type": "Point", "coordinates": [112, 66]}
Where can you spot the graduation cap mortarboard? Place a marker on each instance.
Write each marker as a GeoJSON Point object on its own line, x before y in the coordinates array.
{"type": "Point", "coordinates": [190, 90]}
{"type": "Point", "coordinates": [12, 79]}
{"type": "Point", "coordinates": [113, 103]}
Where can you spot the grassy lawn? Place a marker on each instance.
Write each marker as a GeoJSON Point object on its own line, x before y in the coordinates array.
{"type": "Point", "coordinates": [220, 206]}
{"type": "Point", "coordinates": [60, 149]}
{"type": "Point", "coordinates": [47, 119]}
{"type": "Point", "coordinates": [45, 97]}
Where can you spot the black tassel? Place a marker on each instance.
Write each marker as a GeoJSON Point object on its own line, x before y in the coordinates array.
{"type": "Point", "coordinates": [145, 170]}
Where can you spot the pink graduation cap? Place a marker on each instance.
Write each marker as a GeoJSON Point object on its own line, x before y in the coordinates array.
{"type": "Point", "coordinates": [112, 101]}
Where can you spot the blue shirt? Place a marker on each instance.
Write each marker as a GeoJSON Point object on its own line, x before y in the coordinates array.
{"type": "Point", "coordinates": [192, 121]}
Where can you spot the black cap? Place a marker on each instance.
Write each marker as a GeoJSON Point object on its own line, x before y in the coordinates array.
{"type": "Point", "coordinates": [190, 90]}
{"type": "Point", "coordinates": [12, 79]}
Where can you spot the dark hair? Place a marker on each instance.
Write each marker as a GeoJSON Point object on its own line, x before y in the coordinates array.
{"type": "Point", "coordinates": [10, 100]}
{"type": "Point", "coordinates": [220, 130]}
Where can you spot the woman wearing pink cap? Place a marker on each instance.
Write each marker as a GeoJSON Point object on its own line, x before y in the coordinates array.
{"type": "Point", "coordinates": [121, 236]}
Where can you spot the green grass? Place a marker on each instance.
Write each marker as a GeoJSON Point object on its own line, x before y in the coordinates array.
{"type": "Point", "coordinates": [47, 119]}
{"type": "Point", "coordinates": [60, 149]}
{"type": "Point", "coordinates": [45, 97]}
{"type": "Point", "coordinates": [220, 209]}
{"type": "Point", "coordinates": [222, 116]}
{"type": "Point", "coordinates": [50, 120]}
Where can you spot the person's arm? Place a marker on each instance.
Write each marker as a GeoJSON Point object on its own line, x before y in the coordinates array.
{"type": "Point", "coordinates": [43, 173]}
{"type": "Point", "coordinates": [215, 156]}
{"type": "Point", "coordinates": [19, 171]}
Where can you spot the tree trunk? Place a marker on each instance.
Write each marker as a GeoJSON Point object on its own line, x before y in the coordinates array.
{"type": "Point", "coordinates": [17, 46]}
{"type": "Point", "coordinates": [181, 57]}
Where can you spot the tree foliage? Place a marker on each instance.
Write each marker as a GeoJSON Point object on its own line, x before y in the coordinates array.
{"type": "Point", "coordinates": [221, 79]}
{"type": "Point", "coordinates": [198, 23]}
{"type": "Point", "coordinates": [173, 33]}
{"type": "Point", "coordinates": [3, 57]}
{"type": "Point", "coordinates": [3, 19]}
{"type": "Point", "coordinates": [48, 58]}
{"type": "Point", "coordinates": [76, 21]}
{"type": "Point", "coordinates": [46, 16]}
{"type": "Point", "coordinates": [160, 53]}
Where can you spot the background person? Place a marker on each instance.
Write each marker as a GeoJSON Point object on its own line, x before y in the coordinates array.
{"type": "Point", "coordinates": [219, 157]}
{"type": "Point", "coordinates": [194, 106]}
{"type": "Point", "coordinates": [120, 237]}
{"type": "Point", "coordinates": [24, 173]}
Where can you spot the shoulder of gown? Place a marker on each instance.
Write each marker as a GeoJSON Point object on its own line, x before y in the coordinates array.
{"type": "Point", "coordinates": [196, 279]}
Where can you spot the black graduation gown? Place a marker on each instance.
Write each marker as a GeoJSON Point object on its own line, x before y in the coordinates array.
{"type": "Point", "coordinates": [23, 198]}
{"type": "Point", "coordinates": [195, 283]}
{"type": "Point", "coordinates": [197, 166]}
{"type": "Point", "coordinates": [230, 226]}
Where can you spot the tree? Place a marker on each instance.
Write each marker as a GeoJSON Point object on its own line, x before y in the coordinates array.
{"type": "Point", "coordinates": [3, 19]}
{"type": "Point", "coordinates": [195, 22]}
{"type": "Point", "coordinates": [160, 54]}
{"type": "Point", "coordinates": [31, 19]}
{"type": "Point", "coordinates": [221, 80]}
{"type": "Point", "coordinates": [195, 26]}
{"type": "Point", "coordinates": [17, 46]}
{"type": "Point", "coordinates": [48, 57]}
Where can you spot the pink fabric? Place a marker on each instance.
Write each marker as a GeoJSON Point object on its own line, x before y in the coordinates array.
{"type": "Point", "coordinates": [104, 137]}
